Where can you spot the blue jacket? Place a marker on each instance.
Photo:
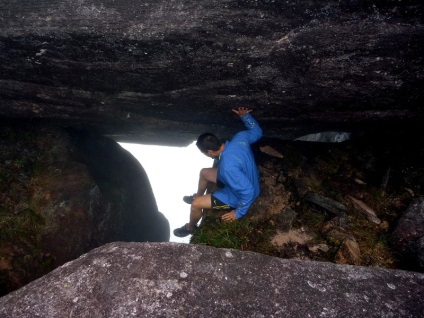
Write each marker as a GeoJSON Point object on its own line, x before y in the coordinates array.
{"type": "Point", "coordinates": [237, 169]}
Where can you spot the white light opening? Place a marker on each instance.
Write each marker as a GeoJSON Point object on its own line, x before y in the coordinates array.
{"type": "Point", "coordinates": [173, 173]}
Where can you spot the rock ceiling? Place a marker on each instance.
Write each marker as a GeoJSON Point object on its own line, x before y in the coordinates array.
{"type": "Point", "coordinates": [165, 71]}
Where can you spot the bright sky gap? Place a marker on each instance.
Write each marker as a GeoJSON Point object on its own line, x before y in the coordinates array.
{"type": "Point", "coordinates": [173, 173]}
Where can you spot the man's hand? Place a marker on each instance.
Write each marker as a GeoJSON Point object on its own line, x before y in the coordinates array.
{"type": "Point", "coordinates": [229, 217]}
{"type": "Point", "coordinates": [241, 111]}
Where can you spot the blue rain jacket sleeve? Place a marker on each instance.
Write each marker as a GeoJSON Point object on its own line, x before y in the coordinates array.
{"type": "Point", "coordinates": [238, 170]}
{"type": "Point", "coordinates": [253, 133]}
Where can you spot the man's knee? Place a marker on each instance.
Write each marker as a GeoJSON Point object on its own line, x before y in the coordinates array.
{"type": "Point", "coordinates": [202, 202]}
{"type": "Point", "coordinates": [208, 174]}
{"type": "Point", "coordinates": [204, 172]}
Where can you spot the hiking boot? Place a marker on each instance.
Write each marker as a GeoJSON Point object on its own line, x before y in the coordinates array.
{"type": "Point", "coordinates": [184, 231]}
{"type": "Point", "coordinates": [189, 198]}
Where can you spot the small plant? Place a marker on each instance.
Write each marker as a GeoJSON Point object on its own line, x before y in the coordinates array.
{"type": "Point", "coordinates": [21, 227]}
{"type": "Point", "coordinates": [19, 163]}
{"type": "Point", "coordinates": [312, 219]}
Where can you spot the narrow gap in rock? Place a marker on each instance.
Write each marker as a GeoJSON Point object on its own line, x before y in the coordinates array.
{"type": "Point", "coordinates": [173, 173]}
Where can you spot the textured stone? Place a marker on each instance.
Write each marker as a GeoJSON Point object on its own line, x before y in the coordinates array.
{"type": "Point", "coordinates": [180, 280]}
{"type": "Point", "coordinates": [326, 203]}
{"type": "Point", "coordinates": [365, 209]}
{"type": "Point", "coordinates": [122, 178]}
{"type": "Point", "coordinates": [349, 253]}
{"type": "Point", "coordinates": [407, 236]}
{"type": "Point", "coordinates": [63, 194]}
{"type": "Point", "coordinates": [418, 248]}
{"type": "Point", "coordinates": [161, 71]}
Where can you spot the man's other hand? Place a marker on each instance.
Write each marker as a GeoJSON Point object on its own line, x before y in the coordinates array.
{"type": "Point", "coordinates": [229, 217]}
{"type": "Point", "coordinates": [241, 111]}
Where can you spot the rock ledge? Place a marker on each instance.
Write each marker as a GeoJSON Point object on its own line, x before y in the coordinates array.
{"type": "Point", "coordinates": [180, 280]}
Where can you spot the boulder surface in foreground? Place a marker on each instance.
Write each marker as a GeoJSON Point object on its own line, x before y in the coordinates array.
{"type": "Point", "coordinates": [181, 280]}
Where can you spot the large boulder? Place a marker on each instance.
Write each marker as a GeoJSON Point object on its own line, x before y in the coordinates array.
{"type": "Point", "coordinates": [181, 280]}
{"type": "Point", "coordinates": [64, 193]}
{"type": "Point", "coordinates": [408, 236]}
{"type": "Point", "coordinates": [122, 178]}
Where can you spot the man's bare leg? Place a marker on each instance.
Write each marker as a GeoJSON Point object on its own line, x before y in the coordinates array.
{"type": "Point", "coordinates": [199, 203]}
{"type": "Point", "coordinates": [202, 201]}
{"type": "Point", "coordinates": [206, 175]}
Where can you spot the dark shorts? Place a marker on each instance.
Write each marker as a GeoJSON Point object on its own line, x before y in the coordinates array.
{"type": "Point", "coordinates": [219, 205]}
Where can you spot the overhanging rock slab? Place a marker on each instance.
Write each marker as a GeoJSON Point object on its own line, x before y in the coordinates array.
{"type": "Point", "coordinates": [162, 71]}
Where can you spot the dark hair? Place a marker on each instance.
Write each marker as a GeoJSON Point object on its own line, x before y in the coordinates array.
{"type": "Point", "coordinates": [208, 141]}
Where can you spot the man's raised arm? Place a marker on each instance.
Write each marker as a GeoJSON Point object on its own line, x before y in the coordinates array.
{"type": "Point", "coordinates": [254, 132]}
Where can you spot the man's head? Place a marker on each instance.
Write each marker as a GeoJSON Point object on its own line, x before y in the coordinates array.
{"type": "Point", "coordinates": [210, 145]}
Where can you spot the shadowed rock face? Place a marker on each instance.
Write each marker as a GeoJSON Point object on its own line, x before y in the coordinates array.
{"type": "Point", "coordinates": [120, 176]}
{"type": "Point", "coordinates": [408, 235]}
{"type": "Point", "coordinates": [178, 280]}
{"type": "Point", "coordinates": [162, 71]}
{"type": "Point", "coordinates": [65, 193]}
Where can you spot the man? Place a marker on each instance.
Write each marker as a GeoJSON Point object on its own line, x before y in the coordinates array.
{"type": "Point", "coordinates": [236, 174]}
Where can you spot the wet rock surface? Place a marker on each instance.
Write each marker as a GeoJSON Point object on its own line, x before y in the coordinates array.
{"type": "Point", "coordinates": [62, 194]}
{"type": "Point", "coordinates": [348, 253]}
{"type": "Point", "coordinates": [180, 280]}
{"type": "Point", "coordinates": [160, 71]}
{"type": "Point", "coordinates": [408, 235]}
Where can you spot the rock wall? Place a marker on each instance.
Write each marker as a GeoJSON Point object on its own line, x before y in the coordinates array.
{"type": "Point", "coordinates": [180, 280]}
{"type": "Point", "coordinates": [408, 236]}
{"type": "Point", "coordinates": [120, 176]}
{"type": "Point", "coordinates": [64, 193]}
